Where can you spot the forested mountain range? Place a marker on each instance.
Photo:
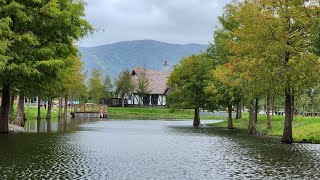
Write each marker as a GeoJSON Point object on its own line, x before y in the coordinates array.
{"type": "Point", "coordinates": [113, 58]}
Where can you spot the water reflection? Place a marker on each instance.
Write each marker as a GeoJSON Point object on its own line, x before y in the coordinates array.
{"type": "Point", "coordinates": [56, 125]}
{"type": "Point", "coordinates": [119, 149]}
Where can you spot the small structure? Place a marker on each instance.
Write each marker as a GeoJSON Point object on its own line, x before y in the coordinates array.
{"type": "Point", "coordinates": [89, 110]}
{"type": "Point", "coordinates": [158, 88]}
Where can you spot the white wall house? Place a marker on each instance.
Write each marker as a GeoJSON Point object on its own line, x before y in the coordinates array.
{"type": "Point", "coordinates": [158, 88]}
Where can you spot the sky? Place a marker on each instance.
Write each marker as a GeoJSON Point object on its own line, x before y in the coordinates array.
{"type": "Point", "coordinates": [172, 21]}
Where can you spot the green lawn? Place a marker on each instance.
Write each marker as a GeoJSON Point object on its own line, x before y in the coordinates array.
{"type": "Point", "coordinates": [32, 112]}
{"type": "Point", "coordinates": [151, 113]}
{"type": "Point", "coordinates": [304, 128]}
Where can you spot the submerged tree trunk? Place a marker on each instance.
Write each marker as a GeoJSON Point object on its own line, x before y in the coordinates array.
{"type": "Point", "coordinates": [48, 125]}
{"type": "Point", "coordinates": [230, 124]}
{"type": "Point", "coordinates": [65, 113]}
{"type": "Point", "coordinates": [287, 131]}
{"type": "Point", "coordinates": [20, 111]}
{"type": "Point", "coordinates": [39, 110]}
{"type": "Point", "coordinates": [60, 108]}
{"type": "Point", "coordinates": [268, 111]}
{"type": "Point", "coordinates": [11, 108]}
{"type": "Point", "coordinates": [196, 119]}
{"type": "Point", "coordinates": [5, 106]}
{"type": "Point", "coordinates": [251, 126]}
{"type": "Point", "coordinates": [48, 116]}
{"type": "Point", "coordinates": [256, 110]}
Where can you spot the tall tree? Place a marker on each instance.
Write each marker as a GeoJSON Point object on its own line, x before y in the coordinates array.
{"type": "Point", "coordinates": [107, 87]}
{"type": "Point", "coordinates": [96, 86]}
{"type": "Point", "coordinates": [188, 82]}
{"type": "Point", "coordinates": [30, 47]}
{"type": "Point", "coordinates": [142, 86]}
{"type": "Point", "coordinates": [124, 84]}
{"type": "Point", "coordinates": [275, 40]}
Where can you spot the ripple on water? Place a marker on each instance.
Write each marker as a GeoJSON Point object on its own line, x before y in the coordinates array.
{"type": "Point", "coordinates": [154, 150]}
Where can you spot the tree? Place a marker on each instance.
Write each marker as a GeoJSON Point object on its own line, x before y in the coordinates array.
{"type": "Point", "coordinates": [142, 85]}
{"type": "Point", "coordinates": [275, 43]}
{"type": "Point", "coordinates": [124, 84]}
{"type": "Point", "coordinates": [187, 82]}
{"type": "Point", "coordinates": [96, 87]}
{"type": "Point", "coordinates": [30, 47]}
{"type": "Point", "coordinates": [107, 87]}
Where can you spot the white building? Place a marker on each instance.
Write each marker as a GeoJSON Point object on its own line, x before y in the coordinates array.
{"type": "Point", "coordinates": [158, 88]}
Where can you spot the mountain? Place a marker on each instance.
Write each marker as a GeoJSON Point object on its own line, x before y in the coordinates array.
{"type": "Point", "coordinates": [113, 58]}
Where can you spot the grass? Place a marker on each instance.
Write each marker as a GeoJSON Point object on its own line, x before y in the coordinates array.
{"type": "Point", "coordinates": [304, 129]}
{"type": "Point", "coordinates": [32, 112]}
{"type": "Point", "coordinates": [152, 114]}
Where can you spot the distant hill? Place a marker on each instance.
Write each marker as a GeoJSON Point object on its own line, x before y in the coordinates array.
{"type": "Point", "coordinates": [113, 58]}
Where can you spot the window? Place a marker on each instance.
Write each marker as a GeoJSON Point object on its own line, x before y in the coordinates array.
{"type": "Point", "coordinates": [154, 99]}
{"type": "Point", "coordinates": [146, 100]}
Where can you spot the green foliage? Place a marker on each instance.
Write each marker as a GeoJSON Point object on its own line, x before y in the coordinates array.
{"type": "Point", "coordinates": [124, 84]}
{"type": "Point", "coordinates": [107, 87]}
{"type": "Point", "coordinates": [188, 81]}
{"type": "Point", "coordinates": [96, 86]}
{"type": "Point", "coordinates": [142, 86]}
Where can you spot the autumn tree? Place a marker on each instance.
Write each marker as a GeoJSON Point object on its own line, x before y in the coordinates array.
{"type": "Point", "coordinates": [275, 42]}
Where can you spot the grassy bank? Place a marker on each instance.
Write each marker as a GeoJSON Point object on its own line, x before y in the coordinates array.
{"type": "Point", "coordinates": [152, 114]}
{"type": "Point", "coordinates": [32, 112]}
{"type": "Point", "coordinates": [305, 129]}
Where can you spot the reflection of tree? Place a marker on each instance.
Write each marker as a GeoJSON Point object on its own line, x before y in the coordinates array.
{"type": "Point", "coordinates": [239, 154]}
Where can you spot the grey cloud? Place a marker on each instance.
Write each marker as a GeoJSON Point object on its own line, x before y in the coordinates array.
{"type": "Point", "coordinates": [174, 21]}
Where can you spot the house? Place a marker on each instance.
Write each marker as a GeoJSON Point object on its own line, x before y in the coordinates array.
{"type": "Point", "coordinates": [157, 88]}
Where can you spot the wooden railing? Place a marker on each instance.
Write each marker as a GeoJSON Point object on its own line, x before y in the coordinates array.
{"type": "Point", "coordinates": [90, 108]}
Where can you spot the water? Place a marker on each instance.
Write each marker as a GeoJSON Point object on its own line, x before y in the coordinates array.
{"type": "Point", "coordinates": [90, 149]}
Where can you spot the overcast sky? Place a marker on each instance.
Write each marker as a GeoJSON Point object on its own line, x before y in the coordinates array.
{"type": "Point", "coordinates": [173, 21]}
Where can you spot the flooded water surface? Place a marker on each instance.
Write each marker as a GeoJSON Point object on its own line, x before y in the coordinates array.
{"type": "Point", "coordinates": [119, 149]}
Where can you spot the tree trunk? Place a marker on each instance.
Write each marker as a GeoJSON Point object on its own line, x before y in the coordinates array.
{"type": "Point", "coordinates": [39, 110]}
{"type": "Point", "coordinates": [11, 108]}
{"type": "Point", "coordinates": [273, 106]}
{"type": "Point", "coordinates": [65, 113]}
{"type": "Point", "coordinates": [48, 116]}
{"type": "Point", "coordinates": [230, 124]}
{"type": "Point", "coordinates": [4, 111]}
{"type": "Point", "coordinates": [196, 119]}
{"type": "Point", "coordinates": [287, 130]}
{"type": "Point", "coordinates": [60, 108]}
{"type": "Point", "coordinates": [268, 112]}
{"type": "Point", "coordinates": [48, 125]}
{"type": "Point", "coordinates": [122, 97]}
{"type": "Point", "coordinates": [20, 111]}
{"type": "Point", "coordinates": [251, 125]}
{"type": "Point", "coordinates": [38, 125]}
{"type": "Point", "coordinates": [238, 110]}
{"type": "Point", "coordinates": [256, 110]}
{"type": "Point", "coordinates": [293, 107]}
